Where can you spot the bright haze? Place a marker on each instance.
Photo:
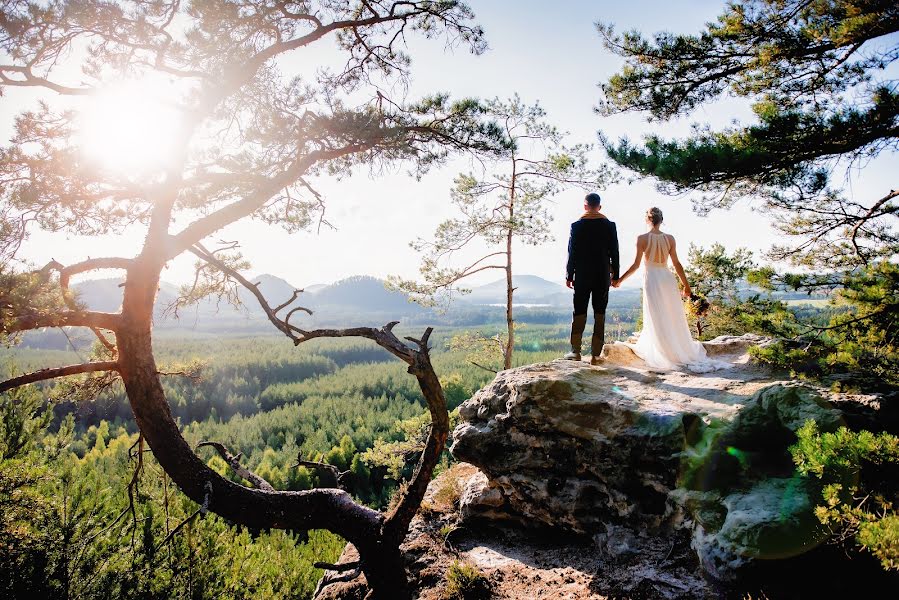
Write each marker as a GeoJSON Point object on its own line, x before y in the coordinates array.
{"type": "Point", "coordinates": [551, 56]}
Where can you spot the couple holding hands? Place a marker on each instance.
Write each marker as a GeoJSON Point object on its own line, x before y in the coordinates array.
{"type": "Point", "coordinates": [665, 341]}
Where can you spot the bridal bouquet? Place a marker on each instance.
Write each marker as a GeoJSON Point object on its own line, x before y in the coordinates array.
{"type": "Point", "coordinates": [699, 305]}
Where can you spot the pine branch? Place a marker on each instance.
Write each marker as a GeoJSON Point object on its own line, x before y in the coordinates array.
{"type": "Point", "coordinates": [47, 374]}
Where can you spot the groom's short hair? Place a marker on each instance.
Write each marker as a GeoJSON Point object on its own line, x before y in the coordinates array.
{"type": "Point", "coordinates": [593, 200]}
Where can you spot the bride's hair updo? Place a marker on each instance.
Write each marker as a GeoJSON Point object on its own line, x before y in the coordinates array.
{"type": "Point", "coordinates": [654, 215]}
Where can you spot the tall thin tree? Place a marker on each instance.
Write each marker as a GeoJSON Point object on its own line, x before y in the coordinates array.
{"type": "Point", "coordinates": [506, 203]}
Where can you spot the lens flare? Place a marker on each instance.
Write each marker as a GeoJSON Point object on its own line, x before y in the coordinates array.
{"type": "Point", "coordinates": [130, 127]}
{"type": "Point", "coordinates": [739, 455]}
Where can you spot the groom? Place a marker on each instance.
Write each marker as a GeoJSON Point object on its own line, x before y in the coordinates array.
{"type": "Point", "coordinates": [592, 264]}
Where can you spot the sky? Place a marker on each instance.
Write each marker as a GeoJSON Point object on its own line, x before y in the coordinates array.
{"type": "Point", "coordinates": [546, 53]}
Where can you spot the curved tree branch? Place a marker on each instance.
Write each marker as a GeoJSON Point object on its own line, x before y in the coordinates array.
{"type": "Point", "coordinates": [45, 374]}
{"type": "Point", "coordinates": [100, 320]}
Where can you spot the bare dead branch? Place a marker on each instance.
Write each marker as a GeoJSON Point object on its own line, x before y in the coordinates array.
{"type": "Point", "coordinates": [234, 462]}
{"type": "Point", "coordinates": [340, 477]}
{"type": "Point", "coordinates": [91, 264]}
{"type": "Point", "coordinates": [480, 366]}
{"type": "Point", "coordinates": [293, 296]}
{"type": "Point", "coordinates": [294, 311]}
{"type": "Point", "coordinates": [194, 375]}
{"type": "Point", "coordinates": [339, 568]}
{"type": "Point", "coordinates": [282, 325]}
{"type": "Point", "coordinates": [326, 581]}
{"type": "Point", "coordinates": [46, 374]}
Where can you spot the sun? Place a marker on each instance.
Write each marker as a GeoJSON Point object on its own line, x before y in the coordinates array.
{"type": "Point", "coordinates": [130, 127]}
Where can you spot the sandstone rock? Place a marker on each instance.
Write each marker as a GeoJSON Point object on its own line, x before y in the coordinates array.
{"type": "Point", "coordinates": [481, 497]}
{"type": "Point", "coordinates": [771, 519]}
{"type": "Point", "coordinates": [737, 482]}
{"type": "Point", "coordinates": [560, 455]}
{"type": "Point", "coordinates": [618, 450]}
{"type": "Point", "coordinates": [734, 345]}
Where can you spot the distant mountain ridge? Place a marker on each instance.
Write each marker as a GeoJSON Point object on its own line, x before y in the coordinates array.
{"type": "Point", "coordinates": [353, 299]}
{"type": "Point", "coordinates": [350, 300]}
{"type": "Point", "coordinates": [529, 289]}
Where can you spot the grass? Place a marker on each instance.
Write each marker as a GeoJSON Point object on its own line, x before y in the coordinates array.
{"type": "Point", "coordinates": [450, 491]}
{"type": "Point", "coordinates": [464, 582]}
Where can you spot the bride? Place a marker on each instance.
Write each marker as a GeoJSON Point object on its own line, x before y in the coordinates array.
{"type": "Point", "coordinates": [665, 342]}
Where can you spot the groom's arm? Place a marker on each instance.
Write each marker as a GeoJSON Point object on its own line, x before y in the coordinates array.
{"type": "Point", "coordinates": [569, 267]}
{"type": "Point", "coordinates": [614, 267]}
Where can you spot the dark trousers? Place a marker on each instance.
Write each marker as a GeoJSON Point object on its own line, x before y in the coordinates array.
{"type": "Point", "coordinates": [598, 290]}
{"type": "Point", "coordinates": [584, 291]}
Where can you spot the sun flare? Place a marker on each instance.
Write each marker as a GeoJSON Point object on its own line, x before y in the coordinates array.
{"type": "Point", "coordinates": [130, 127]}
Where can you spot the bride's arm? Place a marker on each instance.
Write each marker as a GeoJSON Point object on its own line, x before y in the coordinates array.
{"type": "Point", "coordinates": [679, 268]}
{"type": "Point", "coordinates": [641, 248]}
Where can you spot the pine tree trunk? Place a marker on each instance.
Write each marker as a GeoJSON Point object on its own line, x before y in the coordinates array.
{"type": "Point", "coordinates": [510, 323]}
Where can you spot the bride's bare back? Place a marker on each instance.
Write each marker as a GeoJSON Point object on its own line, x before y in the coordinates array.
{"type": "Point", "coordinates": [657, 247]}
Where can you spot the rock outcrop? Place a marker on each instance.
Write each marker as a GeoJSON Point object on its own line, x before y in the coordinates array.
{"type": "Point", "coordinates": [619, 451]}
{"type": "Point", "coordinates": [619, 481]}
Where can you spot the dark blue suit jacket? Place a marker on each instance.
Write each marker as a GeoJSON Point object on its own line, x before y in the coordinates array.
{"type": "Point", "coordinates": [592, 251]}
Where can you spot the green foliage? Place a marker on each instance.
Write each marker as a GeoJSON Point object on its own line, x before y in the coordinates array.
{"type": "Point", "coordinates": [409, 436]}
{"type": "Point", "coordinates": [66, 531]}
{"type": "Point", "coordinates": [858, 488]}
{"type": "Point", "coordinates": [858, 338]}
{"type": "Point", "coordinates": [715, 277]}
{"type": "Point", "coordinates": [64, 494]}
{"type": "Point", "coordinates": [786, 52]}
{"type": "Point", "coordinates": [480, 350]}
{"type": "Point", "coordinates": [448, 492]}
{"type": "Point", "coordinates": [34, 294]}
{"type": "Point", "coordinates": [819, 77]}
{"type": "Point", "coordinates": [27, 567]}
{"type": "Point", "coordinates": [22, 420]}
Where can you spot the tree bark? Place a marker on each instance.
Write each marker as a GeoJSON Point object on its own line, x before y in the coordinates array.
{"type": "Point", "coordinates": [510, 322]}
{"type": "Point", "coordinates": [376, 537]}
{"type": "Point", "coordinates": [45, 374]}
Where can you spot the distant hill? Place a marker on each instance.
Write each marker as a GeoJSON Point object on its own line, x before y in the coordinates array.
{"type": "Point", "coordinates": [365, 294]}
{"type": "Point", "coordinates": [529, 289]}
{"type": "Point", "coordinates": [534, 290]}
{"type": "Point", "coordinates": [352, 301]}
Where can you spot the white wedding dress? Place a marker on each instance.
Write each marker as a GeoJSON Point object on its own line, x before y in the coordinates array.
{"type": "Point", "coordinates": [665, 341]}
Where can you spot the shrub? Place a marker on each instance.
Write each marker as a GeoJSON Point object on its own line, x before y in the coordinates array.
{"type": "Point", "coordinates": [450, 491]}
{"type": "Point", "coordinates": [859, 489]}
{"type": "Point", "coordinates": [464, 582]}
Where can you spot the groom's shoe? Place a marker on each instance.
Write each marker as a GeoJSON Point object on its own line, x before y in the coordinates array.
{"type": "Point", "coordinates": [572, 356]}
{"type": "Point", "coordinates": [596, 360]}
